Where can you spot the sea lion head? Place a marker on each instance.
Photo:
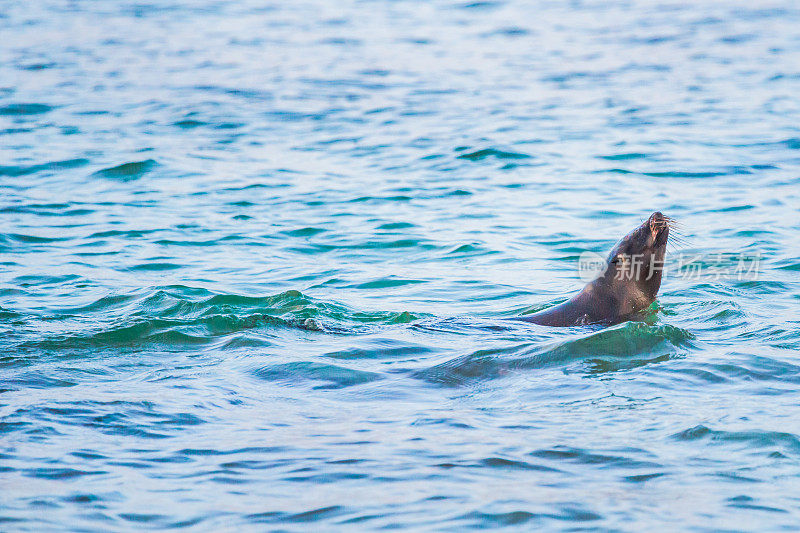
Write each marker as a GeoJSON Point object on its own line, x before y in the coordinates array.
{"type": "Point", "coordinates": [635, 265]}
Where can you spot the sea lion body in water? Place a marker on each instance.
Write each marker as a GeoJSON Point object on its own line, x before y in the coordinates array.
{"type": "Point", "coordinates": [625, 290]}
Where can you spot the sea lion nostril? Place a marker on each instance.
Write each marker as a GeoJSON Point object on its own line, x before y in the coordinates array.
{"type": "Point", "coordinates": [657, 222]}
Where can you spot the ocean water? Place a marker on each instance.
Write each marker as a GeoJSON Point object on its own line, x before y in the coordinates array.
{"type": "Point", "coordinates": [256, 261]}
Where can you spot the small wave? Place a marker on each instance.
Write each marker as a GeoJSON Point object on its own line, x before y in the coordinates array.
{"type": "Point", "coordinates": [155, 266]}
{"type": "Point", "coordinates": [128, 171]}
{"type": "Point", "coordinates": [126, 234]}
{"type": "Point", "coordinates": [792, 143]}
{"type": "Point", "coordinates": [470, 250]}
{"type": "Point", "coordinates": [396, 225]}
{"type": "Point", "coordinates": [387, 283]}
{"type": "Point", "coordinates": [395, 198]}
{"type": "Point", "coordinates": [189, 124]}
{"type": "Point", "coordinates": [303, 232]}
{"type": "Point", "coordinates": [380, 348]}
{"type": "Point", "coordinates": [509, 31]}
{"type": "Point", "coordinates": [37, 66]}
{"type": "Point", "coordinates": [331, 376]}
{"type": "Point", "coordinates": [117, 417]}
{"type": "Point", "coordinates": [178, 316]}
{"type": "Point", "coordinates": [25, 109]}
{"type": "Point", "coordinates": [45, 281]}
{"type": "Point", "coordinates": [513, 518]}
{"type": "Point", "coordinates": [734, 170]}
{"type": "Point", "coordinates": [480, 5]}
{"type": "Point", "coordinates": [623, 347]}
{"type": "Point", "coordinates": [792, 265]}
{"type": "Point", "coordinates": [623, 156]}
{"type": "Point", "coordinates": [24, 170]}
{"type": "Point", "coordinates": [61, 473]}
{"type": "Point", "coordinates": [484, 153]}
{"type": "Point", "coordinates": [766, 441]}
{"type": "Point", "coordinates": [174, 333]}
{"type": "Point", "coordinates": [7, 314]}
{"type": "Point", "coordinates": [579, 456]}
{"type": "Point", "coordinates": [499, 463]}
{"type": "Point", "coordinates": [30, 239]}
{"type": "Point", "coordinates": [313, 515]}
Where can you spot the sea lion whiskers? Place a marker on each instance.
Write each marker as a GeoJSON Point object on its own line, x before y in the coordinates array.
{"type": "Point", "coordinates": [677, 238]}
{"type": "Point", "coordinates": [675, 232]}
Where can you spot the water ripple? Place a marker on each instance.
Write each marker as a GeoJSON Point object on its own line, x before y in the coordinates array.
{"type": "Point", "coordinates": [260, 264]}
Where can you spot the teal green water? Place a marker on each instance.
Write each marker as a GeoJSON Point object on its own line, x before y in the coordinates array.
{"type": "Point", "coordinates": [256, 261]}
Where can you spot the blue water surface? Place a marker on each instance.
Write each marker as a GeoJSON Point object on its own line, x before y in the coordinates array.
{"type": "Point", "coordinates": [256, 260]}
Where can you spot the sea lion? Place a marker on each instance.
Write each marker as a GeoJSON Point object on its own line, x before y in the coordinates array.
{"type": "Point", "coordinates": [627, 287]}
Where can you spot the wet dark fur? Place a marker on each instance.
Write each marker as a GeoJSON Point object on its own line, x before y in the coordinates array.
{"type": "Point", "coordinates": [621, 293]}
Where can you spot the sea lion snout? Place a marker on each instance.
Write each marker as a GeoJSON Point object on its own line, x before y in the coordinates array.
{"type": "Point", "coordinates": [657, 222]}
